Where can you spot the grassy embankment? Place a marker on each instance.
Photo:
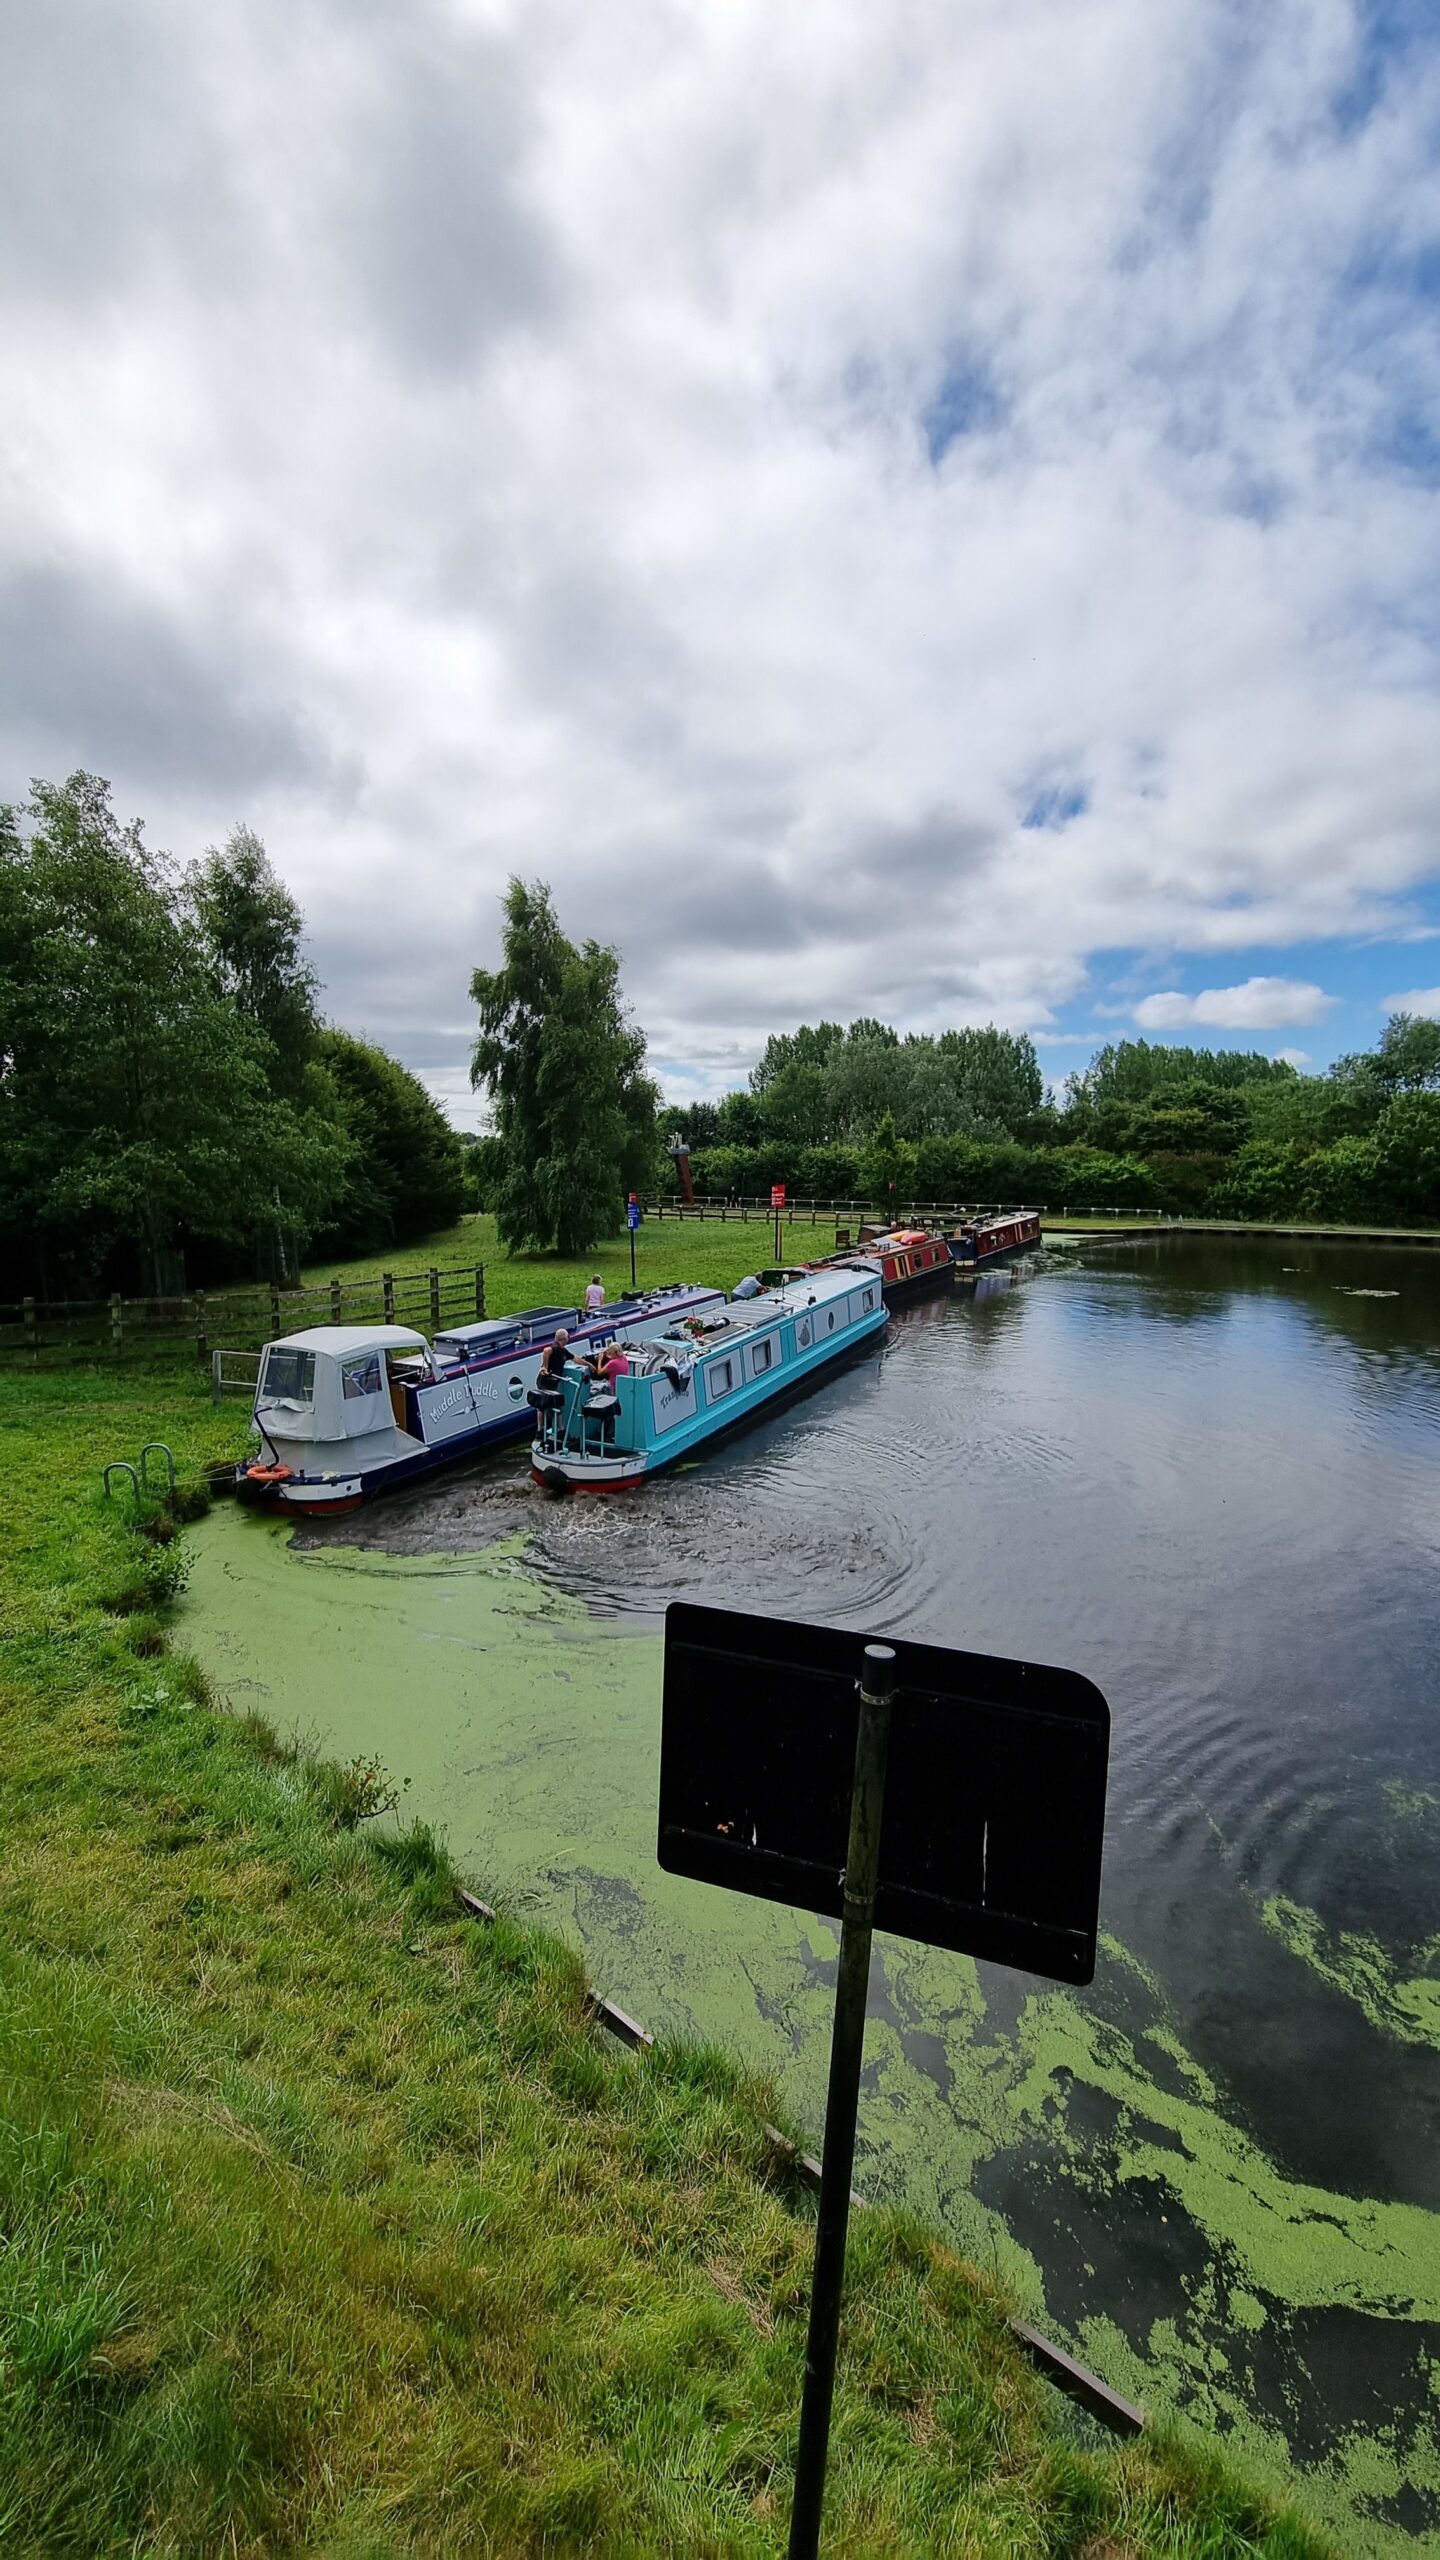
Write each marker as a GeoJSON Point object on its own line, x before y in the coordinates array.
{"type": "Point", "coordinates": [665, 1249]}
{"type": "Point", "coordinates": [326, 2219]}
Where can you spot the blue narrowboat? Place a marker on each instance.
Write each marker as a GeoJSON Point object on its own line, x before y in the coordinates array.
{"type": "Point", "coordinates": [697, 1376]}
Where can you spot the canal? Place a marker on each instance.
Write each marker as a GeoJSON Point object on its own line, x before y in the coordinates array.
{"type": "Point", "coordinates": [1203, 1473]}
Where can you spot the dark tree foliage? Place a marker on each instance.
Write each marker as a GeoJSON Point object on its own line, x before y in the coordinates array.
{"type": "Point", "coordinates": [138, 1105]}
{"type": "Point", "coordinates": [1407, 1059]}
{"type": "Point", "coordinates": [1130, 1070]}
{"type": "Point", "coordinates": [251, 931]}
{"type": "Point", "coordinates": [1205, 1132]}
{"type": "Point", "coordinates": [563, 1064]}
{"type": "Point", "coordinates": [407, 1170]}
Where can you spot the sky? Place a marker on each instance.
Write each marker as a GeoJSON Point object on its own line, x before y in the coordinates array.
{"type": "Point", "coordinates": [923, 511]}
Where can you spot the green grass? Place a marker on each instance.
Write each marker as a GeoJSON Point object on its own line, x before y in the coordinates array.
{"type": "Point", "coordinates": [329, 2223]}
{"type": "Point", "coordinates": [665, 1249]}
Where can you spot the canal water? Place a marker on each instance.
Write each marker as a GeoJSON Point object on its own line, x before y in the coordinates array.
{"type": "Point", "coordinates": [1205, 1474]}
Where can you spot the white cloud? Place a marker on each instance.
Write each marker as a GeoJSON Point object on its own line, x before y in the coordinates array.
{"type": "Point", "coordinates": [487, 437]}
{"type": "Point", "coordinates": [1260, 1004]}
{"type": "Point", "coordinates": [1295, 1057]}
{"type": "Point", "coordinates": [1422, 1000]}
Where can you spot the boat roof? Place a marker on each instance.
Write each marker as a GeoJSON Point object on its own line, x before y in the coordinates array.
{"type": "Point", "coordinates": [337, 1339]}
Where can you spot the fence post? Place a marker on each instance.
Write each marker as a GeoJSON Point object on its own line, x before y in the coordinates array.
{"type": "Point", "coordinates": [201, 1344]}
{"type": "Point", "coordinates": [336, 1306]}
{"type": "Point", "coordinates": [216, 1384]}
{"type": "Point", "coordinates": [117, 1322]}
{"type": "Point", "coordinates": [32, 1337]}
{"type": "Point", "coordinates": [387, 1284]}
{"type": "Point", "coordinates": [479, 1292]}
{"type": "Point", "coordinates": [434, 1301]}
{"type": "Point", "coordinates": [274, 1309]}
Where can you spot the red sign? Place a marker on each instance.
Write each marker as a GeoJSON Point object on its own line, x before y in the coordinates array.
{"type": "Point", "coordinates": [777, 1195]}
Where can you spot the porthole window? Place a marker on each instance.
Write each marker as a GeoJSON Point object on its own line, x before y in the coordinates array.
{"type": "Point", "coordinates": [830, 1320]}
{"type": "Point", "coordinates": [516, 1389]}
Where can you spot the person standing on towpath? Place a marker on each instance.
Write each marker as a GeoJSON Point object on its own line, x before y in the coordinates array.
{"type": "Point", "coordinates": [595, 1296]}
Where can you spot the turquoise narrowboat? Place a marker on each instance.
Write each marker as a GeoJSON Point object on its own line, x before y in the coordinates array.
{"type": "Point", "coordinates": [699, 1376]}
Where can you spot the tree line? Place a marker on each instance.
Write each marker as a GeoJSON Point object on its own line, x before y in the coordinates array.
{"type": "Point", "coordinates": [861, 1113]}
{"type": "Point", "coordinates": [173, 1107]}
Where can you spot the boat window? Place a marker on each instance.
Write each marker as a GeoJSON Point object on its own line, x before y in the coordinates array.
{"type": "Point", "coordinates": [830, 1319]}
{"type": "Point", "coordinates": [721, 1377]}
{"type": "Point", "coordinates": [804, 1333]}
{"type": "Point", "coordinates": [761, 1355]}
{"type": "Point", "coordinates": [869, 1301]}
{"type": "Point", "coordinates": [289, 1376]}
{"type": "Point", "coordinates": [361, 1373]}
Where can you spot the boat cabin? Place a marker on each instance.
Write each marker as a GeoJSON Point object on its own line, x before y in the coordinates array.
{"type": "Point", "coordinates": [461, 1343]}
{"type": "Point", "coordinates": [342, 1385]}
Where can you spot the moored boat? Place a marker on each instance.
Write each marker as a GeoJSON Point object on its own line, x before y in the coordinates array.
{"type": "Point", "coordinates": [699, 1376]}
{"type": "Point", "coordinates": [981, 1241]}
{"type": "Point", "coordinates": [347, 1411]}
{"type": "Point", "coordinates": [910, 1261]}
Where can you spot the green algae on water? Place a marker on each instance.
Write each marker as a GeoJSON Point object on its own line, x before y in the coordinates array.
{"type": "Point", "coordinates": [1071, 2142]}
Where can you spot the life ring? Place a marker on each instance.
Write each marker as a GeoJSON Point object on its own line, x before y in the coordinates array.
{"type": "Point", "coordinates": [268, 1475]}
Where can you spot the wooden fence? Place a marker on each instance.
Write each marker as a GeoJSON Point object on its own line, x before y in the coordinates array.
{"type": "Point", "coordinates": [814, 1213]}
{"type": "Point", "coordinates": [50, 1334]}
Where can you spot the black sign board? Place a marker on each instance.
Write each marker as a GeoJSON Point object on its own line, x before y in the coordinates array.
{"type": "Point", "coordinates": [950, 1797]}
{"type": "Point", "coordinates": [994, 1801]}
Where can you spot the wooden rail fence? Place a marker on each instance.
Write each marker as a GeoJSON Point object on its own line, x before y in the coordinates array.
{"type": "Point", "coordinates": [54, 1332]}
{"type": "Point", "coordinates": [814, 1213]}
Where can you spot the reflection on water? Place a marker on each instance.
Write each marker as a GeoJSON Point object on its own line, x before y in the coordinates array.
{"type": "Point", "coordinates": [1205, 1475]}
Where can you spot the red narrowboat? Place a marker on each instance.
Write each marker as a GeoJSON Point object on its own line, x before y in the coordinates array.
{"type": "Point", "coordinates": [908, 1259]}
{"type": "Point", "coordinates": [981, 1241]}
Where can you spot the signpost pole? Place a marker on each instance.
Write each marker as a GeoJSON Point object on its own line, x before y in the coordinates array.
{"type": "Point", "coordinates": [867, 1803]}
{"type": "Point", "coordinates": [632, 1221]}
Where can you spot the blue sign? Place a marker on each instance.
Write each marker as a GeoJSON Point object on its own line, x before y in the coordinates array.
{"type": "Point", "coordinates": [632, 1214]}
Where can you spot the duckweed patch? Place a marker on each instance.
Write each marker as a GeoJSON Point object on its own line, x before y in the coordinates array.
{"type": "Point", "coordinates": [329, 2221]}
{"type": "Point", "coordinates": [1070, 2144]}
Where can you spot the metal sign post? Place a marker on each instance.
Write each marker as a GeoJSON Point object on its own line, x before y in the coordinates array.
{"type": "Point", "coordinates": [954, 1798]}
{"type": "Point", "coordinates": [847, 2040]}
{"type": "Point", "coordinates": [632, 1221]}
{"type": "Point", "coordinates": [777, 1203]}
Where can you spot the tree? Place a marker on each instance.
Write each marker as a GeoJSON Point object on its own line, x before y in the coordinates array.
{"type": "Point", "coordinates": [1408, 1059]}
{"type": "Point", "coordinates": [251, 931]}
{"type": "Point", "coordinates": [563, 1063]}
{"type": "Point", "coordinates": [1130, 1070]}
{"type": "Point", "coordinates": [407, 1171]}
{"type": "Point", "coordinates": [795, 1105]}
{"type": "Point", "coordinates": [807, 1047]}
{"type": "Point", "coordinates": [136, 1103]}
{"type": "Point", "coordinates": [997, 1075]}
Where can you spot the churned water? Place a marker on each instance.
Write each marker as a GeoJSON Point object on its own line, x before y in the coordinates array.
{"type": "Point", "coordinates": [1206, 1474]}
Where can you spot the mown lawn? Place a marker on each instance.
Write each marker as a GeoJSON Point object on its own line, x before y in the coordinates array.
{"type": "Point", "coordinates": [328, 2223]}
{"type": "Point", "coordinates": [665, 1249]}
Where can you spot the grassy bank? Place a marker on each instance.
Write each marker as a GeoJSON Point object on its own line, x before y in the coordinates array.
{"type": "Point", "coordinates": [665, 1249]}
{"type": "Point", "coordinates": [330, 2223]}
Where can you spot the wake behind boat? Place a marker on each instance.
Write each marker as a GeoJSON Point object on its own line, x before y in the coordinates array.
{"type": "Point", "coordinates": [698, 1376]}
{"type": "Point", "coordinates": [347, 1411]}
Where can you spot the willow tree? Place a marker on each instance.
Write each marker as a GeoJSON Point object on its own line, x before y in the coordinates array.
{"type": "Point", "coordinates": [563, 1065]}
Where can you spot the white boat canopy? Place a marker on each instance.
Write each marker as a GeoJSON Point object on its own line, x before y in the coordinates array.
{"type": "Point", "coordinates": [332, 1382]}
